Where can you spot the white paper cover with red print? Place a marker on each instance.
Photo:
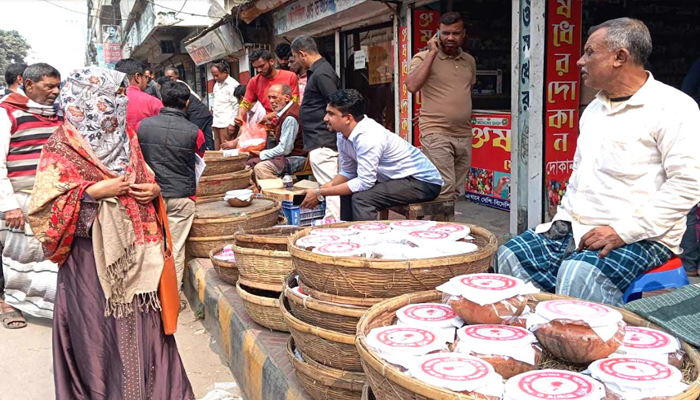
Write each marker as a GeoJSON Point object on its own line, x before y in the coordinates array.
{"type": "Point", "coordinates": [638, 378]}
{"type": "Point", "coordinates": [458, 372]}
{"type": "Point", "coordinates": [501, 340]}
{"type": "Point", "coordinates": [486, 289]}
{"type": "Point", "coordinates": [549, 384]}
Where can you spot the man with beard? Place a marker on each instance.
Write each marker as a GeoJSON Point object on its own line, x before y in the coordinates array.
{"type": "Point", "coordinates": [257, 88]}
{"type": "Point", "coordinates": [152, 87]}
{"type": "Point", "coordinates": [318, 140]}
{"type": "Point", "coordinates": [283, 52]}
{"type": "Point", "coordinates": [445, 75]}
{"type": "Point", "coordinates": [25, 125]}
{"type": "Point", "coordinates": [378, 169]}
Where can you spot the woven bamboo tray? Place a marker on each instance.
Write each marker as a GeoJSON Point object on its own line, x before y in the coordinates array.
{"type": "Point", "coordinates": [388, 383]}
{"type": "Point", "coordinates": [263, 307]}
{"type": "Point", "coordinates": [217, 218]}
{"type": "Point", "coordinates": [217, 164]}
{"type": "Point", "coordinates": [335, 317]}
{"type": "Point", "coordinates": [201, 247]}
{"type": "Point", "coordinates": [228, 271]}
{"type": "Point", "coordinates": [325, 383]}
{"type": "Point", "coordinates": [363, 277]}
{"type": "Point", "coordinates": [263, 267]}
{"type": "Point", "coordinates": [275, 238]}
{"type": "Point", "coordinates": [222, 183]}
{"type": "Point", "coordinates": [330, 348]}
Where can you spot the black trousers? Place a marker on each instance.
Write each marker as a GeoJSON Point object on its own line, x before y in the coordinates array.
{"type": "Point", "coordinates": [365, 206]}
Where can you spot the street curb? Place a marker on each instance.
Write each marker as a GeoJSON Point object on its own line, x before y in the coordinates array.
{"type": "Point", "coordinates": [256, 356]}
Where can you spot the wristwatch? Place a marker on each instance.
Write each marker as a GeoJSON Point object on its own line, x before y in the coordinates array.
{"type": "Point", "coordinates": [319, 196]}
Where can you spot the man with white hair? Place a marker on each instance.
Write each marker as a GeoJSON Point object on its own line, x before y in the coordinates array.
{"type": "Point", "coordinates": [636, 174]}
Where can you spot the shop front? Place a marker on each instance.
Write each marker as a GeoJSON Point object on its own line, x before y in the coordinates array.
{"type": "Point", "coordinates": [488, 41]}
{"type": "Point", "coordinates": [355, 36]}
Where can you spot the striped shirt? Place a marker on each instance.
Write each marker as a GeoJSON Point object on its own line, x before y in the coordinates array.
{"type": "Point", "coordinates": [22, 136]}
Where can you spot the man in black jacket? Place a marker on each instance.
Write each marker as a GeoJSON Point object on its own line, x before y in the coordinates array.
{"type": "Point", "coordinates": [197, 113]}
{"type": "Point", "coordinates": [170, 145]}
{"type": "Point", "coordinates": [318, 140]}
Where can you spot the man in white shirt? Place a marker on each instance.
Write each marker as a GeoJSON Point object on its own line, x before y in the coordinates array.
{"type": "Point", "coordinates": [378, 169]}
{"type": "Point", "coordinates": [225, 107]}
{"type": "Point", "coordinates": [636, 174]}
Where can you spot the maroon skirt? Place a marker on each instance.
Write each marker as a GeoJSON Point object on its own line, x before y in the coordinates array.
{"type": "Point", "coordinates": [105, 358]}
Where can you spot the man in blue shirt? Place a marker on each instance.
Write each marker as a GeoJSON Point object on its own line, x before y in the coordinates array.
{"type": "Point", "coordinates": [378, 169]}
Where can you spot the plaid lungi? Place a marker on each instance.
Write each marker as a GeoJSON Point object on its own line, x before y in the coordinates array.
{"type": "Point", "coordinates": [552, 263]}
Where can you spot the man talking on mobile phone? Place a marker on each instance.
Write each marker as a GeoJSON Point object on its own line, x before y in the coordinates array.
{"type": "Point", "coordinates": [445, 74]}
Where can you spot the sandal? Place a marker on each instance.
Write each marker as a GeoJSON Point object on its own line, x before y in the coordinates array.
{"type": "Point", "coordinates": [13, 320]}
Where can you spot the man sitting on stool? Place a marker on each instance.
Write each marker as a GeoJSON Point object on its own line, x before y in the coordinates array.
{"type": "Point", "coordinates": [288, 156]}
{"type": "Point", "coordinates": [378, 169]}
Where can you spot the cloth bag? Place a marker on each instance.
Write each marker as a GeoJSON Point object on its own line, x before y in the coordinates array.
{"type": "Point", "coordinates": [168, 292]}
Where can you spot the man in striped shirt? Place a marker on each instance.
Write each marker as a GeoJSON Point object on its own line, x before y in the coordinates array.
{"type": "Point", "coordinates": [25, 125]}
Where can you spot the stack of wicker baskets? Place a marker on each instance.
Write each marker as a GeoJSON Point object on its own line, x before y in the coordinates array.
{"type": "Point", "coordinates": [263, 263]}
{"type": "Point", "coordinates": [388, 383]}
{"type": "Point", "coordinates": [222, 174]}
{"type": "Point", "coordinates": [215, 223]}
{"type": "Point", "coordinates": [336, 292]}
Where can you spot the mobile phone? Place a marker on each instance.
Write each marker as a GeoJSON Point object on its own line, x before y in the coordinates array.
{"type": "Point", "coordinates": [438, 33]}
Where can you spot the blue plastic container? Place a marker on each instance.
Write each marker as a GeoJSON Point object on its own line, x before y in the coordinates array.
{"type": "Point", "coordinates": [302, 216]}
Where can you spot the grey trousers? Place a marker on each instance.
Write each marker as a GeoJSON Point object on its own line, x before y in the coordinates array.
{"type": "Point", "coordinates": [365, 205]}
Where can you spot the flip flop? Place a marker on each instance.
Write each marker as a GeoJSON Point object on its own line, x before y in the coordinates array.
{"type": "Point", "coordinates": [13, 317]}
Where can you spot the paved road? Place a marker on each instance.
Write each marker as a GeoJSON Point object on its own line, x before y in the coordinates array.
{"type": "Point", "coordinates": [26, 365]}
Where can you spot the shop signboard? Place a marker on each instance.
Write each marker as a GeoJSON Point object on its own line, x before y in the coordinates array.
{"type": "Point", "coordinates": [488, 180]}
{"type": "Point", "coordinates": [304, 12]}
{"type": "Point", "coordinates": [111, 44]}
{"type": "Point", "coordinates": [562, 94]}
{"type": "Point", "coordinates": [404, 118]}
{"type": "Point", "coordinates": [216, 44]}
{"type": "Point", "coordinates": [425, 25]}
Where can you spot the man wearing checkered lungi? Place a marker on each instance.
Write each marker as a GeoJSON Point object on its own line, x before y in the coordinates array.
{"type": "Point", "coordinates": [635, 176]}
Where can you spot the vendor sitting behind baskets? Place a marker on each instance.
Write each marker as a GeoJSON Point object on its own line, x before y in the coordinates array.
{"type": "Point", "coordinates": [288, 154]}
{"type": "Point", "coordinates": [636, 173]}
{"type": "Point", "coordinates": [378, 169]}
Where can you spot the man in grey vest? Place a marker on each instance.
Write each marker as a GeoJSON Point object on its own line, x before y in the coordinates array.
{"type": "Point", "coordinates": [170, 144]}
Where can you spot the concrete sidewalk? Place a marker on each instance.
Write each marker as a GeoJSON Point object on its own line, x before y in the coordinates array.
{"type": "Point", "coordinates": [257, 356]}
{"type": "Point", "coordinates": [26, 364]}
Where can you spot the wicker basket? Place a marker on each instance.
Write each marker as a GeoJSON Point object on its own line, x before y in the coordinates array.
{"type": "Point", "coordinates": [367, 393]}
{"type": "Point", "coordinates": [228, 271]}
{"type": "Point", "coordinates": [343, 300]}
{"type": "Point", "coordinates": [389, 383]}
{"type": "Point", "coordinates": [217, 218]}
{"type": "Point", "coordinates": [336, 350]}
{"type": "Point", "coordinates": [263, 267]}
{"type": "Point", "coordinates": [222, 183]}
{"type": "Point", "coordinates": [375, 278]}
{"type": "Point", "coordinates": [334, 317]}
{"type": "Point", "coordinates": [325, 383]}
{"type": "Point", "coordinates": [217, 164]}
{"type": "Point", "coordinates": [201, 247]}
{"type": "Point", "coordinates": [275, 238]}
{"type": "Point", "coordinates": [263, 307]}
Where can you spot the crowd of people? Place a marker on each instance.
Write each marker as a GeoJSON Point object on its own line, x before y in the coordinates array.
{"type": "Point", "coordinates": [98, 172]}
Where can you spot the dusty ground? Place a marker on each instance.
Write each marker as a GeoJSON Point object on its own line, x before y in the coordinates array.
{"type": "Point", "coordinates": [26, 371]}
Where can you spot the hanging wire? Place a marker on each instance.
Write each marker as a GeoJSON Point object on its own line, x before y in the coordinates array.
{"type": "Point", "coordinates": [65, 8]}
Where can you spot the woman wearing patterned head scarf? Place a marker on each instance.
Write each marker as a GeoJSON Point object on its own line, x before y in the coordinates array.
{"type": "Point", "coordinates": [93, 210]}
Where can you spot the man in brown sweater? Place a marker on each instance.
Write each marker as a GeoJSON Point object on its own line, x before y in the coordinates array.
{"type": "Point", "coordinates": [445, 75]}
{"type": "Point", "coordinates": [288, 154]}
